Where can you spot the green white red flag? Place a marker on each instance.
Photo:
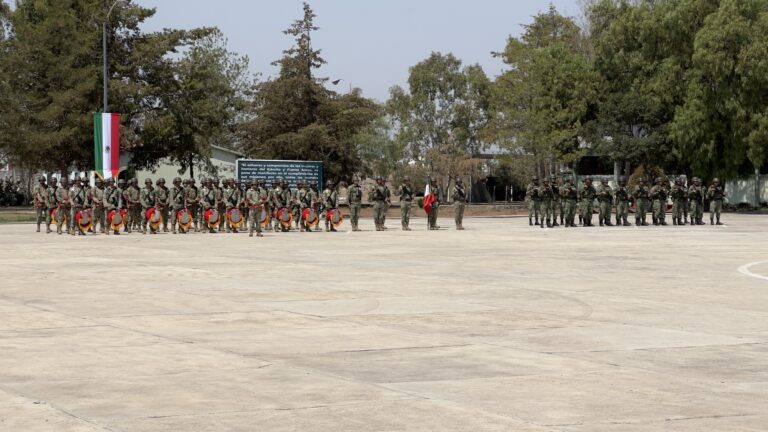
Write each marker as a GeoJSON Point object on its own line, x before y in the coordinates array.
{"type": "Point", "coordinates": [106, 144]}
{"type": "Point", "coordinates": [429, 198]}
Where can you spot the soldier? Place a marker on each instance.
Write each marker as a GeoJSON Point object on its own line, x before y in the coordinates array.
{"type": "Point", "coordinates": [715, 195]}
{"type": "Point", "coordinates": [274, 202]}
{"type": "Point", "coordinates": [50, 204]}
{"type": "Point", "coordinates": [605, 198]}
{"type": "Point", "coordinates": [622, 198]}
{"type": "Point", "coordinates": [659, 197]}
{"type": "Point", "coordinates": [177, 200]}
{"type": "Point", "coordinates": [678, 194]}
{"type": "Point", "coordinates": [162, 201]}
{"type": "Point", "coordinates": [86, 185]}
{"type": "Point", "coordinates": [696, 198]}
{"type": "Point", "coordinates": [131, 198]}
{"type": "Point", "coordinates": [39, 198]}
{"type": "Point", "coordinates": [642, 197]}
{"type": "Point", "coordinates": [534, 200]}
{"type": "Point", "coordinates": [147, 201]}
{"type": "Point", "coordinates": [569, 196]}
{"type": "Point", "coordinates": [77, 203]}
{"type": "Point", "coordinates": [405, 192]}
{"type": "Point", "coordinates": [546, 196]}
{"type": "Point", "coordinates": [686, 202]}
{"type": "Point", "coordinates": [113, 200]}
{"type": "Point", "coordinates": [432, 216]}
{"type": "Point", "coordinates": [62, 201]}
{"type": "Point", "coordinates": [220, 206]}
{"type": "Point", "coordinates": [355, 202]}
{"type": "Point", "coordinates": [380, 196]}
{"type": "Point", "coordinates": [232, 200]}
{"type": "Point", "coordinates": [286, 199]}
{"type": "Point", "coordinates": [255, 199]}
{"type": "Point", "coordinates": [312, 198]}
{"type": "Point", "coordinates": [587, 199]}
{"type": "Point", "coordinates": [192, 197]}
{"type": "Point", "coordinates": [296, 203]}
{"type": "Point", "coordinates": [98, 214]}
{"type": "Point", "coordinates": [459, 197]}
{"type": "Point", "coordinates": [208, 202]}
{"type": "Point", "coordinates": [557, 208]}
{"type": "Point", "coordinates": [330, 201]}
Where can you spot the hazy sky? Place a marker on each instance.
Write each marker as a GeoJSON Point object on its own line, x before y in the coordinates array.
{"type": "Point", "coordinates": [367, 43]}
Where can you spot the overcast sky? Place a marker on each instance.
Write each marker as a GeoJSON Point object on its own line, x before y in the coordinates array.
{"type": "Point", "coordinates": [367, 43]}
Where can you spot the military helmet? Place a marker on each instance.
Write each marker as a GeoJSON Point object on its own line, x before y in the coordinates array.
{"type": "Point", "coordinates": [121, 181]}
{"type": "Point", "coordinates": [161, 180]}
{"type": "Point", "coordinates": [587, 178]}
{"type": "Point", "coordinates": [535, 178]}
{"type": "Point", "coordinates": [623, 179]}
{"type": "Point", "coordinates": [715, 180]}
{"type": "Point", "coordinates": [41, 179]}
{"type": "Point", "coordinates": [76, 179]}
{"type": "Point", "coordinates": [99, 180]}
{"type": "Point", "coordinates": [329, 182]}
{"type": "Point", "coordinates": [458, 181]}
{"type": "Point", "coordinates": [604, 180]}
{"type": "Point", "coordinates": [148, 181]}
{"type": "Point", "coordinates": [406, 179]}
{"type": "Point", "coordinates": [176, 179]}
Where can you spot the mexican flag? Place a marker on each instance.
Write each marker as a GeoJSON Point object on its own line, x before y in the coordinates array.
{"type": "Point", "coordinates": [106, 144]}
{"type": "Point", "coordinates": [429, 198]}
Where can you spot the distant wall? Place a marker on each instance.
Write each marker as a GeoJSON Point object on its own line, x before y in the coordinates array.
{"type": "Point", "coordinates": [743, 191]}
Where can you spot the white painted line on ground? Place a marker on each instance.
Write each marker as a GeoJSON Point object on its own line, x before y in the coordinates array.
{"type": "Point", "coordinates": [745, 270]}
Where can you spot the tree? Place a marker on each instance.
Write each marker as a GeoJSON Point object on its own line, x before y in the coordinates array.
{"type": "Point", "coordinates": [722, 128]}
{"type": "Point", "coordinates": [642, 52]}
{"type": "Point", "coordinates": [199, 106]}
{"type": "Point", "coordinates": [541, 103]}
{"type": "Point", "coordinates": [294, 117]}
{"type": "Point", "coordinates": [438, 120]}
{"type": "Point", "coordinates": [51, 67]}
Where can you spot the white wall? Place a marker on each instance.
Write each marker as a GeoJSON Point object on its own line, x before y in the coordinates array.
{"type": "Point", "coordinates": [743, 191]}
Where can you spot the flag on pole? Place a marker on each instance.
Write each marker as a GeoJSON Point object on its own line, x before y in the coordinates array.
{"type": "Point", "coordinates": [106, 144]}
{"type": "Point", "coordinates": [429, 197]}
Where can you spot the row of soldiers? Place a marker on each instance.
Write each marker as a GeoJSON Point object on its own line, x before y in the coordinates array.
{"type": "Point", "coordinates": [125, 196]}
{"type": "Point", "coordinates": [549, 198]}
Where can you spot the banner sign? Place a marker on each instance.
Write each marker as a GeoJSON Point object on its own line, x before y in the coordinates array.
{"type": "Point", "coordinates": [290, 171]}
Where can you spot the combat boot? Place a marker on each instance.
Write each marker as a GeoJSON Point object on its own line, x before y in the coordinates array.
{"type": "Point", "coordinates": [626, 223]}
{"type": "Point", "coordinates": [608, 223]}
{"type": "Point", "coordinates": [537, 221]}
{"type": "Point", "coordinates": [718, 222]}
{"type": "Point", "coordinates": [674, 221]}
{"type": "Point", "coordinates": [554, 223]}
{"type": "Point", "coordinates": [530, 221]}
{"type": "Point", "coordinates": [549, 224]}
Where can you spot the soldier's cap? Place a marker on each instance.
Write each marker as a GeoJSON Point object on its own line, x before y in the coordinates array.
{"type": "Point", "coordinates": [604, 179]}
{"type": "Point", "coordinates": [623, 179]}
{"type": "Point", "coordinates": [535, 178]}
{"type": "Point", "coordinates": [458, 180]}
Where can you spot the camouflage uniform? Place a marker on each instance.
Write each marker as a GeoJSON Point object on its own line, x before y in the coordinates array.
{"type": "Point", "coordinates": [162, 201]}
{"type": "Point", "coordinates": [605, 198]}
{"type": "Point", "coordinates": [437, 191]}
{"type": "Point", "coordinates": [557, 207]}
{"type": "Point", "coordinates": [41, 210]}
{"type": "Point", "coordinates": [77, 201]}
{"type": "Point", "coordinates": [132, 197]}
{"type": "Point", "coordinates": [355, 199]}
{"type": "Point", "coordinates": [255, 198]}
{"type": "Point", "coordinates": [546, 195]}
{"type": "Point", "coordinates": [405, 192]}
{"type": "Point", "coordinates": [50, 203]}
{"type": "Point", "coordinates": [98, 210]}
{"type": "Point", "coordinates": [678, 194]}
{"type": "Point", "coordinates": [113, 200]}
{"type": "Point", "coordinates": [569, 196]}
{"type": "Point", "coordinates": [192, 198]}
{"type": "Point", "coordinates": [715, 195]}
{"type": "Point", "coordinates": [459, 197]}
{"type": "Point", "coordinates": [696, 198]}
{"type": "Point", "coordinates": [177, 198]}
{"type": "Point", "coordinates": [659, 197]}
{"type": "Point", "coordinates": [208, 202]}
{"type": "Point", "coordinates": [587, 199]}
{"type": "Point", "coordinates": [232, 200]}
{"type": "Point", "coordinates": [534, 201]}
{"type": "Point", "coordinates": [62, 201]}
{"type": "Point", "coordinates": [622, 198]}
{"type": "Point", "coordinates": [380, 196]}
{"type": "Point", "coordinates": [147, 200]}
{"type": "Point", "coordinates": [642, 197]}
{"type": "Point", "coordinates": [330, 201]}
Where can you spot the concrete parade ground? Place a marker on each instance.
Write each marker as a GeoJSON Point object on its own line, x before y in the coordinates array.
{"type": "Point", "coordinates": [502, 327]}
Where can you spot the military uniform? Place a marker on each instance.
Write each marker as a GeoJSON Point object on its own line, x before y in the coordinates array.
{"type": "Point", "coordinates": [459, 197]}
{"type": "Point", "coordinates": [642, 197]}
{"type": "Point", "coordinates": [62, 201]}
{"type": "Point", "coordinates": [570, 197]}
{"type": "Point", "coordinates": [696, 199]}
{"type": "Point", "coordinates": [255, 198]}
{"type": "Point", "coordinates": [286, 200]}
{"type": "Point", "coordinates": [192, 198]}
{"type": "Point", "coordinates": [41, 209]}
{"type": "Point", "coordinates": [113, 200]}
{"type": "Point", "coordinates": [50, 203]}
{"type": "Point", "coordinates": [380, 196]}
{"type": "Point", "coordinates": [587, 199]}
{"type": "Point", "coordinates": [232, 200]}
{"type": "Point", "coordinates": [178, 200]}
{"type": "Point", "coordinates": [208, 202]}
{"type": "Point", "coordinates": [147, 200]}
{"type": "Point", "coordinates": [77, 200]}
{"type": "Point", "coordinates": [715, 195]}
{"type": "Point", "coordinates": [534, 201]}
{"type": "Point", "coordinates": [355, 201]}
{"type": "Point", "coordinates": [274, 202]}
{"type": "Point", "coordinates": [330, 201]}
{"type": "Point", "coordinates": [162, 201]}
{"type": "Point", "coordinates": [97, 207]}
{"type": "Point", "coordinates": [432, 216]}
{"type": "Point", "coordinates": [678, 194]}
{"type": "Point", "coordinates": [605, 198]}
{"type": "Point", "coordinates": [132, 197]}
{"type": "Point", "coordinates": [659, 197]}
{"type": "Point", "coordinates": [405, 192]}
{"type": "Point", "coordinates": [546, 195]}
{"type": "Point", "coordinates": [622, 199]}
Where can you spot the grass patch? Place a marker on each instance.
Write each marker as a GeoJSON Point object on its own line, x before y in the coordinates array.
{"type": "Point", "coordinates": [12, 217]}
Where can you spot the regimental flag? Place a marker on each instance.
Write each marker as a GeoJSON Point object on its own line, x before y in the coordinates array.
{"type": "Point", "coordinates": [106, 144]}
{"type": "Point", "coordinates": [429, 198]}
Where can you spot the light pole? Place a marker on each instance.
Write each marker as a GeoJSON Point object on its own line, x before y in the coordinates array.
{"type": "Point", "coordinates": [105, 85]}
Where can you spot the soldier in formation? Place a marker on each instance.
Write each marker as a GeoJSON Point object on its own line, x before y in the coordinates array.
{"type": "Point", "coordinates": [381, 198]}
{"type": "Point", "coordinates": [405, 193]}
{"type": "Point", "coordinates": [459, 196]}
{"type": "Point", "coordinates": [355, 202]}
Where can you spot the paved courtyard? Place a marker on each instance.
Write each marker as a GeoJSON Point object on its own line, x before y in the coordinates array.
{"type": "Point", "coordinates": [501, 327]}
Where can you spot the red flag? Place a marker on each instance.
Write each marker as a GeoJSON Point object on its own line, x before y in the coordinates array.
{"type": "Point", "coordinates": [429, 198]}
